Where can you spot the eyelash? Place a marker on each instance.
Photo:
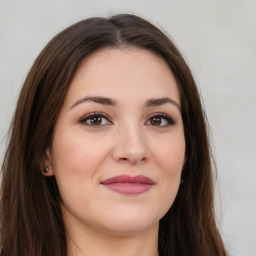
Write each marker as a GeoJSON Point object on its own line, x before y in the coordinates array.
{"type": "Point", "coordinates": [90, 116]}
{"type": "Point", "coordinates": [170, 121]}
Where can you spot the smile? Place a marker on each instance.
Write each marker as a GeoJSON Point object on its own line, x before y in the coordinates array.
{"type": "Point", "coordinates": [131, 185]}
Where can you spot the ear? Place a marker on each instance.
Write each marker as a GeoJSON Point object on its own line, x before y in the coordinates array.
{"type": "Point", "coordinates": [47, 169]}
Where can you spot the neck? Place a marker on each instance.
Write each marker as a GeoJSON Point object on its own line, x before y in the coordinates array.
{"type": "Point", "coordinates": [86, 242]}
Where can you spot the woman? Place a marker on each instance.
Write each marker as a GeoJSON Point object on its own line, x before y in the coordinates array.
{"type": "Point", "coordinates": [108, 153]}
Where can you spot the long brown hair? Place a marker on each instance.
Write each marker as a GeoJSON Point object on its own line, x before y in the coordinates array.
{"type": "Point", "coordinates": [31, 219]}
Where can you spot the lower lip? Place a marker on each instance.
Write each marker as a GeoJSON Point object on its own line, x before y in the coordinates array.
{"type": "Point", "coordinates": [129, 188]}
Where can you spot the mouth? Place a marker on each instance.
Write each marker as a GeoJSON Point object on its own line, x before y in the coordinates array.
{"type": "Point", "coordinates": [131, 185]}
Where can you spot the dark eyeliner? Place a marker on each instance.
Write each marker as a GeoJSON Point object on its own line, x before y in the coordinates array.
{"type": "Point", "coordinates": [166, 117]}
{"type": "Point", "coordinates": [86, 117]}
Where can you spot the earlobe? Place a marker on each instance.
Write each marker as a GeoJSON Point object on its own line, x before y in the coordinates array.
{"type": "Point", "coordinates": [47, 170]}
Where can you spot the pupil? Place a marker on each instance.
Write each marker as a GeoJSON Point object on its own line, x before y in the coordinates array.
{"type": "Point", "coordinates": [96, 120]}
{"type": "Point", "coordinates": [156, 121]}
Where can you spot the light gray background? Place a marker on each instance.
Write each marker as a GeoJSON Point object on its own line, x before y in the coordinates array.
{"type": "Point", "coordinates": [218, 39]}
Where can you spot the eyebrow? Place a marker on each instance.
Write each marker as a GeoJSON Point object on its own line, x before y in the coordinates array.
{"type": "Point", "coordinates": [161, 101]}
{"type": "Point", "coordinates": [111, 102]}
{"type": "Point", "coordinates": [96, 99]}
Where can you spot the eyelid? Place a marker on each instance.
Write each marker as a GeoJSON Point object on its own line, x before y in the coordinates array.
{"type": "Point", "coordinates": [170, 121]}
{"type": "Point", "coordinates": [82, 120]}
{"type": "Point", "coordinates": [167, 117]}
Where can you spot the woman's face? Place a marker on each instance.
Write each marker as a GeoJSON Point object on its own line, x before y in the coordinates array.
{"type": "Point", "coordinates": [118, 145]}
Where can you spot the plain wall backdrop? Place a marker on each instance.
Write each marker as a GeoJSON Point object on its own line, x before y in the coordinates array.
{"type": "Point", "coordinates": [218, 40]}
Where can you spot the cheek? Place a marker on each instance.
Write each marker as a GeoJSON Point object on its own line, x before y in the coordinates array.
{"type": "Point", "coordinates": [169, 160]}
{"type": "Point", "coordinates": [78, 153]}
{"type": "Point", "coordinates": [76, 162]}
{"type": "Point", "coordinates": [170, 156]}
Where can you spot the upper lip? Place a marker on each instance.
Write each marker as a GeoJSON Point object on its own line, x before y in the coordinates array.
{"type": "Point", "coordinates": [128, 179]}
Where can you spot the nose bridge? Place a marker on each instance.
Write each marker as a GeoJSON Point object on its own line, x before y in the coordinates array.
{"type": "Point", "coordinates": [131, 144]}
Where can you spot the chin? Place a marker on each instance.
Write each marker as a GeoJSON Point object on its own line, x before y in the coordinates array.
{"type": "Point", "coordinates": [131, 221]}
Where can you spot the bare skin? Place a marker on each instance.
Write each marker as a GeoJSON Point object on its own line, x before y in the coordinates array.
{"type": "Point", "coordinates": [121, 116]}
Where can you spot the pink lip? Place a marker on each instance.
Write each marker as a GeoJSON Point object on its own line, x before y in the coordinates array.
{"type": "Point", "coordinates": [132, 185]}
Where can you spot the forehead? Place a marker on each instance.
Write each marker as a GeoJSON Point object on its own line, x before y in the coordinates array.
{"type": "Point", "coordinates": [129, 73]}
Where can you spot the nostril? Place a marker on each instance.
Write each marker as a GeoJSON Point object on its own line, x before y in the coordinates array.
{"type": "Point", "coordinates": [132, 160]}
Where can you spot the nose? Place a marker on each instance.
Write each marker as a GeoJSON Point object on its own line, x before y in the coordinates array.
{"type": "Point", "coordinates": [131, 146]}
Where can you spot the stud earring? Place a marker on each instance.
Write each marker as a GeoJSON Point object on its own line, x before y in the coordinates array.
{"type": "Point", "coordinates": [46, 169]}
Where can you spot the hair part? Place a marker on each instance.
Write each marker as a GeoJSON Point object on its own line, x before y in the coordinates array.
{"type": "Point", "coordinates": [31, 219]}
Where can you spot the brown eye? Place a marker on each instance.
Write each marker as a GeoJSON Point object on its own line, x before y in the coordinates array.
{"type": "Point", "coordinates": [94, 120]}
{"type": "Point", "coordinates": [155, 121]}
{"type": "Point", "coordinates": [160, 120]}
